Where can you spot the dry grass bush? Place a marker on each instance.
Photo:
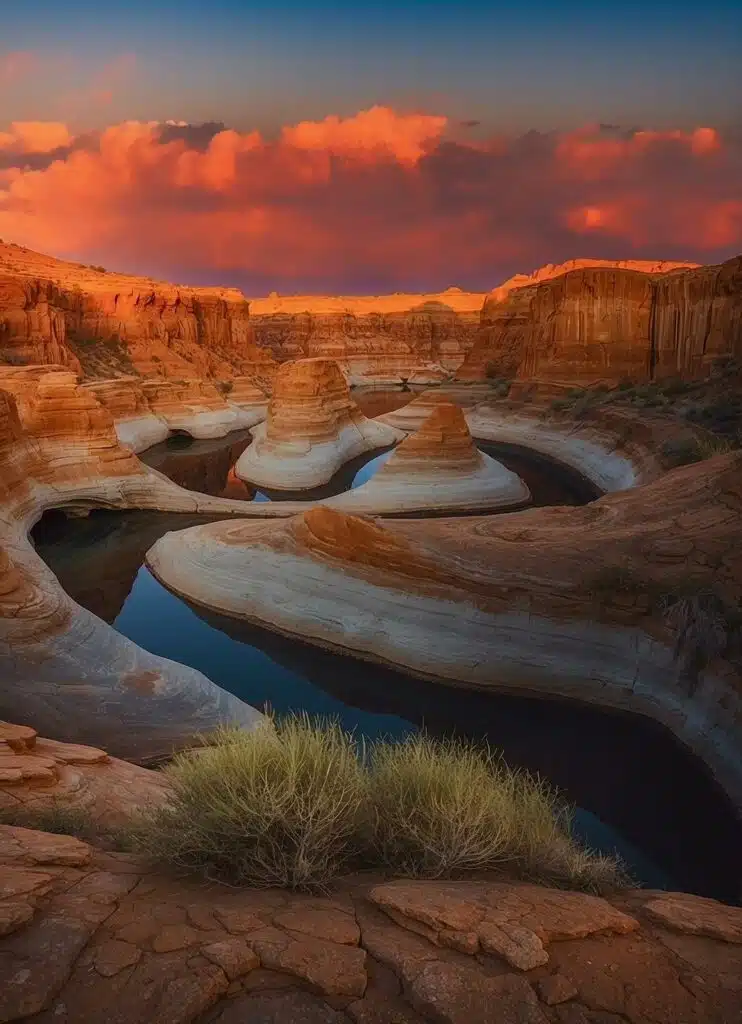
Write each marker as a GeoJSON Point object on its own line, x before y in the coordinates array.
{"type": "Point", "coordinates": [279, 805]}
{"type": "Point", "coordinates": [296, 802]}
{"type": "Point", "coordinates": [442, 808]}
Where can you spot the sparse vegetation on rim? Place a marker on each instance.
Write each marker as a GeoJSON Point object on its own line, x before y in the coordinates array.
{"type": "Point", "coordinates": [295, 802]}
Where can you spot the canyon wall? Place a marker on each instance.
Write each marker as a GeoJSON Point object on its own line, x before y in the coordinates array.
{"type": "Point", "coordinates": [596, 322]}
{"type": "Point", "coordinates": [104, 324]}
{"type": "Point", "coordinates": [384, 338]}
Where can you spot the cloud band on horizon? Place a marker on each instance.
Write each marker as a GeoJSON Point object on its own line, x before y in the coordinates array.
{"type": "Point", "coordinates": [379, 199]}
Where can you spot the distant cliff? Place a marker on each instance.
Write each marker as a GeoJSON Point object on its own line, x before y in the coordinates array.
{"type": "Point", "coordinates": [606, 323]}
{"type": "Point", "coordinates": [374, 338]}
{"type": "Point", "coordinates": [102, 323]}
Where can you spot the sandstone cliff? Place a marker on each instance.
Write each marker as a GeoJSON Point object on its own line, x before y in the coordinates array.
{"type": "Point", "coordinates": [385, 338]}
{"type": "Point", "coordinates": [313, 427]}
{"type": "Point", "coordinates": [604, 323]}
{"type": "Point", "coordinates": [105, 323]}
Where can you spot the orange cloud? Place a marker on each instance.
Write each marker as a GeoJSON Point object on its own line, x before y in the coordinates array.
{"type": "Point", "coordinates": [375, 133]}
{"type": "Point", "coordinates": [381, 199]}
{"type": "Point", "coordinates": [35, 136]}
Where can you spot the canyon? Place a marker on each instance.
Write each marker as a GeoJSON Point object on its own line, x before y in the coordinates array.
{"type": "Point", "coordinates": [606, 323]}
{"type": "Point", "coordinates": [626, 601]}
{"type": "Point", "coordinates": [580, 322]}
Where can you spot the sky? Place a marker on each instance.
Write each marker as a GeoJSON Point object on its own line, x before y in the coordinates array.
{"type": "Point", "coordinates": [376, 146]}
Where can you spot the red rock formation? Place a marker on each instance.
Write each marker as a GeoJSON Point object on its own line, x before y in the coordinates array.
{"type": "Point", "coordinates": [52, 311]}
{"type": "Point", "coordinates": [313, 427]}
{"type": "Point", "coordinates": [384, 338]}
{"type": "Point", "coordinates": [605, 323]}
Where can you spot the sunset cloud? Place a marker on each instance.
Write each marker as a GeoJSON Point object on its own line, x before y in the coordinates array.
{"type": "Point", "coordinates": [378, 199]}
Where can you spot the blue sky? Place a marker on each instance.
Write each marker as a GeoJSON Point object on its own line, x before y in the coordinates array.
{"type": "Point", "coordinates": [537, 65]}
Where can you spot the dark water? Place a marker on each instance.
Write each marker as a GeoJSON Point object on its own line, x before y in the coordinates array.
{"type": "Point", "coordinates": [208, 466]}
{"type": "Point", "coordinates": [637, 790]}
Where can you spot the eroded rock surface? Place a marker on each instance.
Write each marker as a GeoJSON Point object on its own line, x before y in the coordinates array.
{"type": "Point", "coordinates": [38, 776]}
{"type": "Point", "coordinates": [99, 937]}
{"type": "Point", "coordinates": [313, 427]}
{"type": "Point", "coordinates": [380, 339]}
{"type": "Point", "coordinates": [105, 323]}
{"type": "Point", "coordinates": [437, 467]}
{"type": "Point", "coordinates": [61, 667]}
{"type": "Point", "coordinates": [564, 601]}
{"type": "Point", "coordinates": [607, 322]}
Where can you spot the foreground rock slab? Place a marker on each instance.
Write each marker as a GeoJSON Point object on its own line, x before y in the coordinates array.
{"type": "Point", "coordinates": [99, 937]}
{"type": "Point", "coordinates": [39, 777]}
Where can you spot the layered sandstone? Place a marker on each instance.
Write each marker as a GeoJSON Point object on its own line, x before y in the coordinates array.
{"type": "Point", "coordinates": [437, 468]}
{"type": "Point", "coordinates": [609, 322]}
{"type": "Point", "coordinates": [313, 427]}
{"type": "Point", "coordinates": [104, 323]}
{"type": "Point", "coordinates": [41, 775]}
{"type": "Point", "coordinates": [61, 667]}
{"type": "Point", "coordinates": [534, 602]}
{"type": "Point", "coordinates": [147, 411]}
{"type": "Point", "coordinates": [381, 339]}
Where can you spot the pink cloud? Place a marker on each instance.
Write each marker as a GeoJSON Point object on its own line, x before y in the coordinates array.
{"type": "Point", "coordinates": [381, 196]}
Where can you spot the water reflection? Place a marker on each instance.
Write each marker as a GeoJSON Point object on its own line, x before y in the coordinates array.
{"type": "Point", "coordinates": [637, 790]}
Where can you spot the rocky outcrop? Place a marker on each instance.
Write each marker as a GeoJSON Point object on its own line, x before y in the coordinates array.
{"type": "Point", "coordinates": [605, 323]}
{"type": "Point", "coordinates": [437, 468]}
{"type": "Point", "coordinates": [132, 946]}
{"type": "Point", "coordinates": [61, 667]}
{"type": "Point", "coordinates": [384, 338]}
{"type": "Point", "coordinates": [614, 450]}
{"type": "Point", "coordinates": [104, 323]}
{"type": "Point", "coordinates": [312, 428]}
{"type": "Point", "coordinates": [39, 777]}
{"type": "Point", "coordinates": [148, 411]}
{"type": "Point", "coordinates": [567, 602]}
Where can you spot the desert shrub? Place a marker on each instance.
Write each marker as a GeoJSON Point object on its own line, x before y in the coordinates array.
{"type": "Point", "coordinates": [98, 268]}
{"type": "Point", "coordinates": [561, 404]}
{"type": "Point", "coordinates": [277, 805]}
{"type": "Point", "coordinates": [703, 625]}
{"type": "Point", "coordinates": [58, 817]}
{"type": "Point", "coordinates": [294, 803]}
{"type": "Point", "coordinates": [445, 807]}
{"type": "Point", "coordinates": [225, 386]}
{"type": "Point", "coordinates": [710, 445]}
{"type": "Point", "coordinates": [680, 451]}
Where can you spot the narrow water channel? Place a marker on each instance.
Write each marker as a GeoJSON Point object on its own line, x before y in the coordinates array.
{"type": "Point", "coordinates": [637, 791]}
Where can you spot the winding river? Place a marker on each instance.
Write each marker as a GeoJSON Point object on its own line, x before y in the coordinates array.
{"type": "Point", "coordinates": [637, 791]}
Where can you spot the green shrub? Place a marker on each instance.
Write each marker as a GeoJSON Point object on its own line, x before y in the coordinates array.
{"type": "Point", "coordinates": [225, 386]}
{"type": "Point", "coordinates": [277, 805]}
{"type": "Point", "coordinates": [681, 451]}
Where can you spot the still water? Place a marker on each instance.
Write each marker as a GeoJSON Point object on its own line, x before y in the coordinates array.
{"type": "Point", "coordinates": [637, 791]}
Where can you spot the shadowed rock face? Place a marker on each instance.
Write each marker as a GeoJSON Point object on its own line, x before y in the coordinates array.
{"type": "Point", "coordinates": [313, 427]}
{"type": "Point", "coordinates": [608, 323]}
